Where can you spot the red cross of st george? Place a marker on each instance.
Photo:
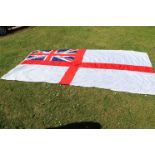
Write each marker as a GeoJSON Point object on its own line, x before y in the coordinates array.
{"type": "Point", "coordinates": [77, 63]}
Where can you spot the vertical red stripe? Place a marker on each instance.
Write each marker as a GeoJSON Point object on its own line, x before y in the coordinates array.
{"type": "Point", "coordinates": [50, 55]}
{"type": "Point", "coordinates": [70, 73]}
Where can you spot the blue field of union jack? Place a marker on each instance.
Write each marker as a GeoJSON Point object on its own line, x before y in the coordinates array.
{"type": "Point", "coordinates": [36, 57]}
{"type": "Point", "coordinates": [66, 51]}
{"type": "Point", "coordinates": [63, 58]}
{"type": "Point", "coordinates": [41, 52]}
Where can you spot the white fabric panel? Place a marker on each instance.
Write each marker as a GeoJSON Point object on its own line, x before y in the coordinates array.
{"type": "Point", "coordinates": [36, 73]}
{"type": "Point", "coordinates": [125, 81]}
{"type": "Point", "coordinates": [117, 57]}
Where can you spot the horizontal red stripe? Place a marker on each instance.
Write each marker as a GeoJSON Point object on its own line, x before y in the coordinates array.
{"type": "Point", "coordinates": [118, 67]}
{"type": "Point", "coordinates": [50, 63]}
{"type": "Point", "coordinates": [93, 65]}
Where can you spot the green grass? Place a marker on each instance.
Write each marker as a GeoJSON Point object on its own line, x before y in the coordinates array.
{"type": "Point", "coordinates": [43, 105]}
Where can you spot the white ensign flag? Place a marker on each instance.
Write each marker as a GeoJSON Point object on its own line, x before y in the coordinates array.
{"type": "Point", "coordinates": [118, 70]}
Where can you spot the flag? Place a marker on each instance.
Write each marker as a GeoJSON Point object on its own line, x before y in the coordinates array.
{"type": "Point", "coordinates": [118, 70]}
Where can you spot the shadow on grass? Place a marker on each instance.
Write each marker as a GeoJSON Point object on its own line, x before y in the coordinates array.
{"type": "Point", "coordinates": [79, 125]}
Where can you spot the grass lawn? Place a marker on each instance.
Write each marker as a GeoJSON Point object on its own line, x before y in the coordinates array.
{"type": "Point", "coordinates": [43, 105]}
